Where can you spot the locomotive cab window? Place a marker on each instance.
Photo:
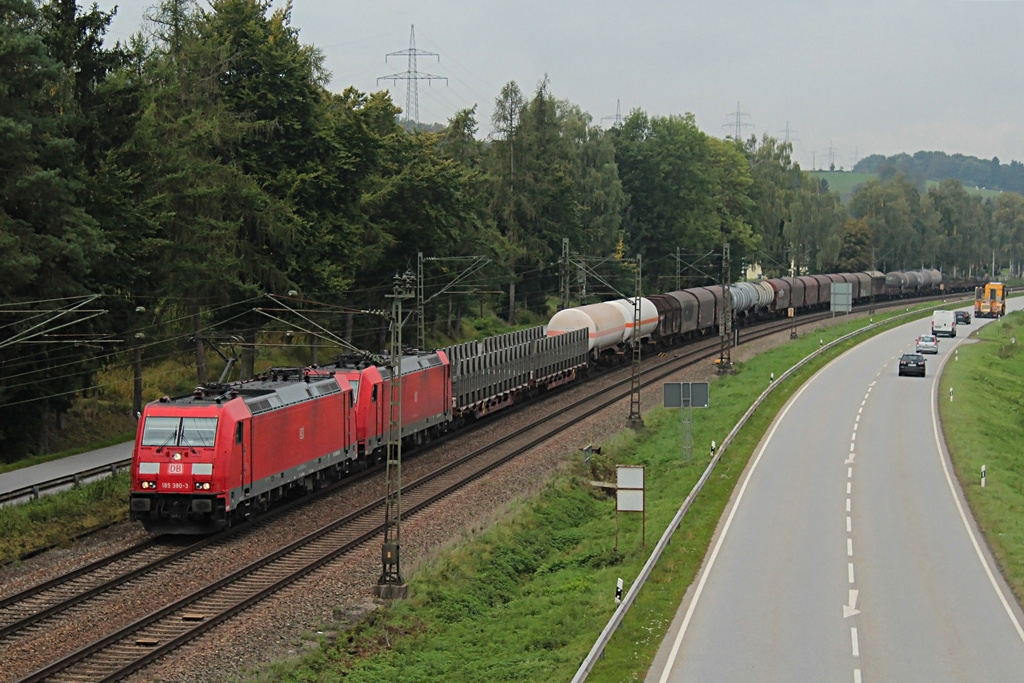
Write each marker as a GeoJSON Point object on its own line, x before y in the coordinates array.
{"type": "Point", "coordinates": [161, 431]}
{"type": "Point", "coordinates": [195, 432]}
{"type": "Point", "coordinates": [198, 432]}
{"type": "Point", "coordinates": [355, 389]}
{"type": "Point", "coordinates": [238, 433]}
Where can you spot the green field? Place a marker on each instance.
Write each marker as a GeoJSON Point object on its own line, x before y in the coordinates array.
{"type": "Point", "coordinates": [843, 182]}
{"type": "Point", "coordinates": [980, 191]}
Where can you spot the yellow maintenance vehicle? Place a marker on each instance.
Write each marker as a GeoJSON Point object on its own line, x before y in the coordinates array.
{"type": "Point", "coordinates": [990, 300]}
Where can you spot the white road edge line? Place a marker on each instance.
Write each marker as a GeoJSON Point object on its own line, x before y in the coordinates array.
{"type": "Point", "coordinates": [960, 507]}
{"type": "Point", "coordinates": [721, 539]}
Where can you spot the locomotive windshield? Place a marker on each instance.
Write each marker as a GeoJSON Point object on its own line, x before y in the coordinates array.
{"type": "Point", "coordinates": [195, 432]}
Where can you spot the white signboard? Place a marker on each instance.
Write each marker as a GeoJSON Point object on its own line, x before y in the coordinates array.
{"type": "Point", "coordinates": [629, 500]}
{"type": "Point", "coordinates": [629, 477]}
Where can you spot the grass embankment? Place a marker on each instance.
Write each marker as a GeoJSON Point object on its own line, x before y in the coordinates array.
{"type": "Point", "coordinates": [984, 425]}
{"type": "Point", "coordinates": [525, 600]}
{"type": "Point", "coordinates": [56, 519]}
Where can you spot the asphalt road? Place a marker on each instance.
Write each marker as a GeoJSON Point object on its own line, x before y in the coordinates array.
{"type": "Point", "coordinates": [31, 476]}
{"type": "Point", "coordinates": [847, 552]}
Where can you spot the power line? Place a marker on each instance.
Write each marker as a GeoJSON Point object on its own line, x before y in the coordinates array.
{"type": "Point", "coordinates": [832, 154]}
{"type": "Point", "coordinates": [787, 130]}
{"type": "Point", "coordinates": [412, 76]}
{"type": "Point", "coordinates": [738, 124]}
{"type": "Point", "coordinates": [617, 118]}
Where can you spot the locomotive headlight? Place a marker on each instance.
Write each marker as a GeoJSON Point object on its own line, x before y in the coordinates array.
{"type": "Point", "coordinates": [176, 456]}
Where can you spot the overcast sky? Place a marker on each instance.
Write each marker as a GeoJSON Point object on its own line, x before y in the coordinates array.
{"type": "Point", "coordinates": [860, 76]}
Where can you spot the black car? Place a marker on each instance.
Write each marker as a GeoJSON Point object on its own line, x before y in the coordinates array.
{"type": "Point", "coordinates": [963, 318]}
{"type": "Point", "coordinates": [912, 364]}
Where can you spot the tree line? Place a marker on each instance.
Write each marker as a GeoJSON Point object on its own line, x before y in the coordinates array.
{"type": "Point", "coordinates": [170, 182]}
{"type": "Point", "coordinates": [971, 171]}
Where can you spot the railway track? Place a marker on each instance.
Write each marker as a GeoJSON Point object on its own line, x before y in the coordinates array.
{"type": "Point", "coordinates": [124, 651]}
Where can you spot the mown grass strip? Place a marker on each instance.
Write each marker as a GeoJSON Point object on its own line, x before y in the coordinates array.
{"type": "Point", "coordinates": [984, 425]}
{"type": "Point", "coordinates": [525, 600]}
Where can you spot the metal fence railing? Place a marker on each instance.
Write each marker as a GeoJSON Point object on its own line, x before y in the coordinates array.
{"type": "Point", "coordinates": [27, 493]}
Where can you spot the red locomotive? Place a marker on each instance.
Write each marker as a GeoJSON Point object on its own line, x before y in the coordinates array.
{"type": "Point", "coordinates": [225, 451]}
{"type": "Point", "coordinates": [426, 399]}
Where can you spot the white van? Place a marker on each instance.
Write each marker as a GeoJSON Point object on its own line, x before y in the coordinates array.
{"type": "Point", "coordinates": [944, 323]}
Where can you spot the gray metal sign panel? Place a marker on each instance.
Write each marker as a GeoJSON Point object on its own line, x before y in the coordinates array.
{"type": "Point", "coordinates": [674, 394]}
{"type": "Point", "coordinates": [686, 394]}
{"type": "Point", "coordinates": [841, 299]}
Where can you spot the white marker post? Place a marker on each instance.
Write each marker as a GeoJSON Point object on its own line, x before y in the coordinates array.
{"type": "Point", "coordinates": [771, 379]}
{"type": "Point", "coordinates": [982, 476]}
{"type": "Point", "coordinates": [956, 355]}
{"type": "Point", "coordinates": [618, 591]}
{"type": "Point", "coordinates": [713, 447]}
{"type": "Point", "coordinates": [951, 394]}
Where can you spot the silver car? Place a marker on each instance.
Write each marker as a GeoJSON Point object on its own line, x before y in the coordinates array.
{"type": "Point", "coordinates": [927, 343]}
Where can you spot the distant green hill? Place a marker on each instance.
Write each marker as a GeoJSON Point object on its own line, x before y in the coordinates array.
{"type": "Point", "coordinates": [971, 171]}
{"type": "Point", "coordinates": [846, 183]}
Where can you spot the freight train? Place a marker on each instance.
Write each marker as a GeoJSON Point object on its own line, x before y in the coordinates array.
{"type": "Point", "coordinates": [228, 451]}
{"type": "Point", "coordinates": [668, 319]}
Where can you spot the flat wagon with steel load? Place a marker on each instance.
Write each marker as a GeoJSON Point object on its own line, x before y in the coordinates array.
{"type": "Point", "coordinates": [497, 372]}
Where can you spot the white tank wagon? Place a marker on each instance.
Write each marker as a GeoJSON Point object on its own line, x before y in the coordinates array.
{"type": "Point", "coordinates": [604, 322]}
{"type": "Point", "coordinates": [648, 318]}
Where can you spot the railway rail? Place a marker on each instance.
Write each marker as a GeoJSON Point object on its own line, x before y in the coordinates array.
{"type": "Point", "coordinates": [127, 650]}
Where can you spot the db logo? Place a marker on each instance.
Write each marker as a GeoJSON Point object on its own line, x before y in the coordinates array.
{"type": "Point", "coordinates": [175, 468]}
{"type": "Point", "coordinates": [302, 433]}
